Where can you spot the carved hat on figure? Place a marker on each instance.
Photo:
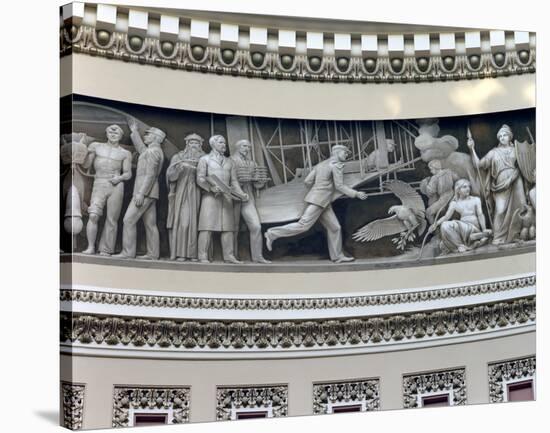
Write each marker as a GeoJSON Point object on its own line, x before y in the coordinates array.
{"type": "Point", "coordinates": [193, 136]}
{"type": "Point", "coordinates": [158, 133]}
{"type": "Point", "coordinates": [505, 129]}
{"type": "Point", "coordinates": [338, 147]}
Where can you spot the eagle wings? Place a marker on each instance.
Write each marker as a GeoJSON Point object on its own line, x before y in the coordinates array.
{"type": "Point", "coordinates": [408, 217]}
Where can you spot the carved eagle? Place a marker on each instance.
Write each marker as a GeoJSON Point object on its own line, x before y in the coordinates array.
{"type": "Point", "coordinates": [407, 217]}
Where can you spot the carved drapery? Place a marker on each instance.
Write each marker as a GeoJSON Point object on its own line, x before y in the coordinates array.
{"type": "Point", "coordinates": [347, 392]}
{"type": "Point", "coordinates": [270, 398]}
{"type": "Point", "coordinates": [448, 381]}
{"type": "Point", "coordinates": [73, 405]}
{"type": "Point", "coordinates": [176, 400]}
{"type": "Point", "coordinates": [185, 334]}
{"type": "Point", "coordinates": [502, 372]}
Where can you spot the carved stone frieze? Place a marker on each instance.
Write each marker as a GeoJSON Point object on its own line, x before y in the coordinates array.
{"type": "Point", "coordinates": [448, 381]}
{"type": "Point", "coordinates": [73, 405]}
{"type": "Point", "coordinates": [179, 55]}
{"type": "Point", "coordinates": [302, 303]}
{"type": "Point", "coordinates": [173, 400]}
{"type": "Point", "coordinates": [502, 372]}
{"type": "Point", "coordinates": [186, 334]}
{"type": "Point", "coordinates": [272, 398]}
{"type": "Point", "coordinates": [365, 392]}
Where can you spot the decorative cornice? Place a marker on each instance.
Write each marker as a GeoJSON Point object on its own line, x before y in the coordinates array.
{"type": "Point", "coordinates": [302, 303]}
{"type": "Point", "coordinates": [73, 405]}
{"type": "Point", "coordinates": [230, 399]}
{"type": "Point", "coordinates": [365, 392]}
{"type": "Point", "coordinates": [263, 335]}
{"type": "Point", "coordinates": [245, 63]}
{"type": "Point", "coordinates": [158, 398]}
{"type": "Point", "coordinates": [502, 372]}
{"type": "Point", "coordinates": [453, 381]}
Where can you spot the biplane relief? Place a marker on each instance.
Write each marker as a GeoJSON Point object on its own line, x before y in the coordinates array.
{"type": "Point", "coordinates": [212, 188]}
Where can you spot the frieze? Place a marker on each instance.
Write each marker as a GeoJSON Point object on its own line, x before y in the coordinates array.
{"type": "Point", "coordinates": [365, 392]}
{"type": "Point", "coordinates": [181, 55]}
{"type": "Point", "coordinates": [263, 335]}
{"type": "Point", "coordinates": [501, 372]}
{"type": "Point", "coordinates": [448, 381]}
{"type": "Point", "coordinates": [174, 400]}
{"type": "Point", "coordinates": [232, 186]}
{"type": "Point", "coordinates": [302, 303]}
{"type": "Point", "coordinates": [73, 405]}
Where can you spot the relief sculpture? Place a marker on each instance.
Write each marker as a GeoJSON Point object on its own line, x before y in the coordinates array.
{"type": "Point", "coordinates": [262, 191]}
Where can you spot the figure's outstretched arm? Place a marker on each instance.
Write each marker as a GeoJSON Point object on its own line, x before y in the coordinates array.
{"type": "Point", "coordinates": [137, 141]}
{"type": "Point", "coordinates": [338, 177]}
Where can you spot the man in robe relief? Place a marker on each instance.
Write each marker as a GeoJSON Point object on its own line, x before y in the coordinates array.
{"type": "Point", "coordinates": [184, 200]}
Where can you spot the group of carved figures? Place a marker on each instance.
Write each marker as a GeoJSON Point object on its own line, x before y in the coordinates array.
{"type": "Point", "coordinates": [211, 193]}
{"type": "Point", "coordinates": [509, 202]}
{"type": "Point", "coordinates": [207, 193]}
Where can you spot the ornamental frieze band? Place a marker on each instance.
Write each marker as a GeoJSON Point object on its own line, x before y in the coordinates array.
{"type": "Point", "coordinates": [254, 64]}
{"type": "Point", "coordinates": [167, 333]}
{"type": "Point", "coordinates": [302, 303]}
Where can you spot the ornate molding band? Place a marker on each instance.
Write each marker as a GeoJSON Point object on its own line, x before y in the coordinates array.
{"type": "Point", "coordinates": [209, 59]}
{"type": "Point", "coordinates": [502, 372]}
{"type": "Point", "coordinates": [73, 405]}
{"type": "Point", "coordinates": [305, 303]}
{"type": "Point", "coordinates": [365, 392]}
{"type": "Point", "coordinates": [448, 381]}
{"type": "Point", "coordinates": [175, 400]}
{"type": "Point", "coordinates": [273, 399]}
{"type": "Point", "coordinates": [185, 334]}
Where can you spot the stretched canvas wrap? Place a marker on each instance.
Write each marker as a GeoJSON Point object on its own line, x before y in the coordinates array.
{"type": "Point", "coordinates": [304, 217]}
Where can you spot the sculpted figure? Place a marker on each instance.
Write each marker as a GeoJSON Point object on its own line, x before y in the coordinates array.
{"type": "Point", "coordinates": [217, 177]}
{"type": "Point", "coordinates": [372, 159]}
{"type": "Point", "coordinates": [438, 188]}
{"type": "Point", "coordinates": [249, 183]}
{"type": "Point", "coordinates": [326, 179]}
{"type": "Point", "coordinates": [504, 184]}
{"type": "Point", "coordinates": [113, 166]}
{"type": "Point", "coordinates": [470, 231]}
{"type": "Point", "coordinates": [184, 200]}
{"type": "Point", "coordinates": [146, 193]}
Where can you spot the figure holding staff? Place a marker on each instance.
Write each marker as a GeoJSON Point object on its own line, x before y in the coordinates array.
{"type": "Point", "coordinates": [502, 185]}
